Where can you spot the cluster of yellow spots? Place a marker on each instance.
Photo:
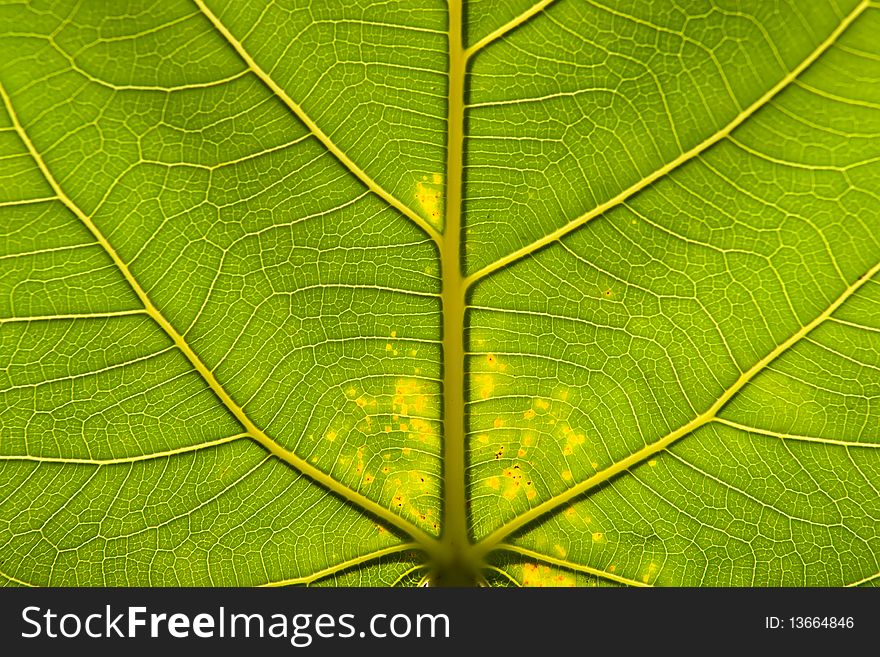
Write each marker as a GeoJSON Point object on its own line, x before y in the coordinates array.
{"type": "Point", "coordinates": [650, 572]}
{"type": "Point", "coordinates": [572, 440]}
{"type": "Point", "coordinates": [485, 385]}
{"type": "Point", "coordinates": [409, 487]}
{"type": "Point", "coordinates": [429, 195]}
{"type": "Point", "coordinates": [515, 482]}
{"type": "Point", "coordinates": [538, 575]}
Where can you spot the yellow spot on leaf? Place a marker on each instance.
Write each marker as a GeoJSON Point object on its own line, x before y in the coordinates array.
{"type": "Point", "coordinates": [529, 414]}
{"type": "Point", "coordinates": [493, 482]}
{"type": "Point", "coordinates": [498, 423]}
{"type": "Point", "coordinates": [653, 463]}
{"type": "Point", "coordinates": [429, 196]}
{"type": "Point", "coordinates": [330, 435]}
{"type": "Point", "coordinates": [566, 474]}
{"type": "Point", "coordinates": [558, 549]}
{"type": "Point", "coordinates": [598, 537]}
{"type": "Point", "coordinates": [485, 385]}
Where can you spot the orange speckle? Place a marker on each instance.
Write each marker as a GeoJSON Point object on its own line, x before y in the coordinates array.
{"type": "Point", "coordinates": [529, 414]}
{"type": "Point", "coordinates": [498, 423]}
{"type": "Point", "coordinates": [531, 494]}
{"type": "Point", "coordinates": [559, 550]}
{"type": "Point", "coordinates": [368, 479]}
{"type": "Point", "coordinates": [521, 453]}
{"type": "Point", "coordinates": [387, 428]}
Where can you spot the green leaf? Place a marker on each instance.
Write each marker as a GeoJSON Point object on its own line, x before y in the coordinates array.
{"type": "Point", "coordinates": [510, 293]}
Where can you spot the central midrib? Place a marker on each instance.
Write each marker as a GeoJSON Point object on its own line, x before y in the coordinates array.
{"type": "Point", "coordinates": [455, 531]}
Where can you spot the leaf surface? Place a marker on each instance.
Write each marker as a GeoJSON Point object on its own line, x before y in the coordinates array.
{"type": "Point", "coordinates": [553, 293]}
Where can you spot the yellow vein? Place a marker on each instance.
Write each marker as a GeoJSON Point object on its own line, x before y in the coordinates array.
{"type": "Point", "coordinates": [674, 164]}
{"type": "Point", "coordinates": [455, 530]}
{"type": "Point", "coordinates": [490, 541]}
{"type": "Point", "coordinates": [864, 580]}
{"type": "Point", "coordinates": [17, 581]}
{"type": "Point", "coordinates": [30, 201]}
{"type": "Point", "coordinates": [126, 459]}
{"type": "Point", "coordinates": [345, 565]}
{"type": "Point", "coordinates": [252, 429]}
{"type": "Point", "coordinates": [44, 318]}
{"type": "Point", "coordinates": [562, 563]}
{"type": "Point", "coordinates": [507, 27]}
{"type": "Point", "coordinates": [406, 573]}
{"type": "Point", "coordinates": [788, 436]}
{"type": "Point", "coordinates": [323, 137]}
